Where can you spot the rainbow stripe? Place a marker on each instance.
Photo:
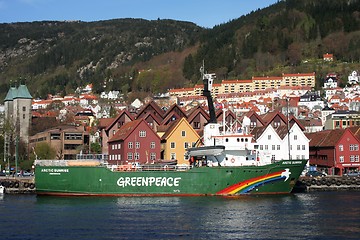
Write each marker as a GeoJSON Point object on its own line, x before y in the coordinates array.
{"type": "Point", "coordinates": [252, 183]}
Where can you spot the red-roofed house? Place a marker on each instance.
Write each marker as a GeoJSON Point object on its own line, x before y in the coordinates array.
{"type": "Point", "coordinates": [335, 151]}
{"type": "Point", "coordinates": [134, 142]}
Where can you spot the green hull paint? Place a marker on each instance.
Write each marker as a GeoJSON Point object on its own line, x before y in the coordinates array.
{"type": "Point", "coordinates": [99, 180]}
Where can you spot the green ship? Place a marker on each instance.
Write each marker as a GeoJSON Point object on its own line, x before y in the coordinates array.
{"type": "Point", "coordinates": [94, 178]}
{"type": "Point", "coordinates": [227, 164]}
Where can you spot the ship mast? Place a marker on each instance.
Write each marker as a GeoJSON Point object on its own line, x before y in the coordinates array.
{"type": "Point", "coordinates": [208, 81]}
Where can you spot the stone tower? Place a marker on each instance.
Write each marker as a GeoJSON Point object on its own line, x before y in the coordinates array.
{"type": "Point", "coordinates": [18, 110]}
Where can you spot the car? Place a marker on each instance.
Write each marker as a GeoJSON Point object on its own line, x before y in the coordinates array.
{"type": "Point", "coordinates": [24, 174]}
{"type": "Point", "coordinates": [352, 174]}
{"type": "Point", "coordinates": [315, 174]}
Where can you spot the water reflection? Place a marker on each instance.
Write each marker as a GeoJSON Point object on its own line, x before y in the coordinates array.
{"type": "Point", "coordinates": [300, 216]}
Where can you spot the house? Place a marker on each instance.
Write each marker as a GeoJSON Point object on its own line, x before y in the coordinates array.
{"type": "Point", "coordinates": [197, 118]}
{"type": "Point", "coordinates": [334, 151]}
{"type": "Point", "coordinates": [354, 78]}
{"type": "Point", "coordinates": [113, 127]}
{"type": "Point", "coordinates": [342, 119]}
{"type": "Point", "coordinates": [153, 108]}
{"type": "Point", "coordinates": [280, 144]}
{"type": "Point", "coordinates": [176, 139]}
{"type": "Point", "coordinates": [330, 82]}
{"type": "Point", "coordinates": [135, 141]}
{"type": "Point", "coordinates": [328, 57]}
{"type": "Point", "coordinates": [67, 140]}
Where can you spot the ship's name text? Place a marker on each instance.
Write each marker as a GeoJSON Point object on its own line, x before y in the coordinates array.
{"type": "Point", "coordinates": [292, 162]}
{"type": "Point", "coordinates": [54, 170]}
{"type": "Point", "coordinates": [148, 181]}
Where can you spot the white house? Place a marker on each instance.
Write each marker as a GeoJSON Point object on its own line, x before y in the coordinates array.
{"type": "Point", "coordinates": [354, 78]}
{"type": "Point", "coordinates": [276, 142]}
{"type": "Point", "coordinates": [330, 82]}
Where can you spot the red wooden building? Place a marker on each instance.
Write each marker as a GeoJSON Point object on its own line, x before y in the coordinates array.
{"type": "Point", "coordinates": [135, 141]}
{"type": "Point", "coordinates": [335, 151]}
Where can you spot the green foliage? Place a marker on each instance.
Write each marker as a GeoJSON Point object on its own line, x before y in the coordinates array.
{"type": "Point", "coordinates": [95, 147]}
{"type": "Point", "coordinates": [43, 151]}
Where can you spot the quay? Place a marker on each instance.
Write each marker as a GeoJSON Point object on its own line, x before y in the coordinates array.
{"type": "Point", "coordinates": [18, 185]}
{"type": "Point", "coordinates": [328, 183]}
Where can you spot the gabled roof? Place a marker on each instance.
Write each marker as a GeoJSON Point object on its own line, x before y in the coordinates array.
{"type": "Point", "coordinates": [151, 105]}
{"type": "Point", "coordinates": [115, 120]}
{"type": "Point", "coordinates": [169, 118]}
{"type": "Point", "coordinates": [253, 113]}
{"type": "Point", "coordinates": [282, 131]}
{"type": "Point", "coordinates": [196, 111]}
{"type": "Point", "coordinates": [355, 131]}
{"type": "Point", "coordinates": [148, 115]}
{"type": "Point", "coordinates": [175, 108]}
{"type": "Point", "coordinates": [257, 132]}
{"type": "Point", "coordinates": [174, 125]}
{"type": "Point", "coordinates": [269, 117]}
{"type": "Point", "coordinates": [126, 130]}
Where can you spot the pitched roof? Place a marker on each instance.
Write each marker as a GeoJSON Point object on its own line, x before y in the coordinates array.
{"type": "Point", "coordinates": [125, 130]}
{"type": "Point", "coordinates": [327, 138]}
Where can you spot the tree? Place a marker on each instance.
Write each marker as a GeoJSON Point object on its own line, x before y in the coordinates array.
{"type": "Point", "coordinates": [43, 150]}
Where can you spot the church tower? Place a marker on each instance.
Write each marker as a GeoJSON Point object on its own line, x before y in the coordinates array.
{"type": "Point", "coordinates": [18, 110]}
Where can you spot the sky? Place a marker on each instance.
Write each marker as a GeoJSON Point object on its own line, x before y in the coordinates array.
{"type": "Point", "coordinates": [205, 13]}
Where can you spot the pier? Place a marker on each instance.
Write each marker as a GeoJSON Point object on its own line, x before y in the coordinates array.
{"type": "Point", "coordinates": [328, 183]}
{"type": "Point", "coordinates": [18, 185]}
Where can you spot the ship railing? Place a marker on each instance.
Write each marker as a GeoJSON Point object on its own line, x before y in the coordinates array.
{"type": "Point", "coordinates": [132, 168]}
{"type": "Point", "coordinates": [60, 163]}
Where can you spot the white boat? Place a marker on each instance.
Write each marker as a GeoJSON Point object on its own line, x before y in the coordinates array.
{"type": "Point", "coordinates": [226, 144]}
{"type": "Point", "coordinates": [2, 190]}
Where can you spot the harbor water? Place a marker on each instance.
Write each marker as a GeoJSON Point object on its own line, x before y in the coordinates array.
{"type": "Point", "coordinates": [318, 215]}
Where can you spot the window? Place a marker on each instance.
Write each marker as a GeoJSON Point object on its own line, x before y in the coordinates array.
{"type": "Point", "coordinates": [183, 133]}
{"type": "Point", "coordinates": [341, 148]}
{"type": "Point", "coordinates": [152, 156]}
{"type": "Point", "coordinates": [186, 145]}
{"type": "Point", "coordinates": [142, 133]}
{"type": "Point", "coordinates": [172, 145]}
{"type": "Point", "coordinates": [137, 156]}
{"type": "Point", "coordinates": [357, 158]}
{"type": "Point", "coordinates": [130, 145]}
{"type": "Point", "coordinates": [341, 159]}
{"type": "Point", "coordinates": [273, 147]}
{"type": "Point", "coordinates": [24, 109]}
{"type": "Point", "coordinates": [113, 132]}
{"type": "Point", "coordinates": [352, 158]}
{"type": "Point", "coordinates": [152, 145]}
{"type": "Point", "coordinates": [269, 137]}
{"type": "Point", "coordinates": [266, 147]}
{"type": "Point", "coordinates": [119, 146]}
{"type": "Point", "coordinates": [295, 137]}
{"type": "Point", "coordinates": [303, 148]}
{"type": "Point", "coordinates": [137, 145]}
{"type": "Point", "coordinates": [129, 156]}
{"type": "Point", "coordinates": [278, 147]}
{"type": "Point", "coordinates": [298, 147]}
{"type": "Point", "coordinates": [196, 125]}
{"type": "Point", "coordinates": [356, 147]}
{"type": "Point", "coordinates": [172, 156]}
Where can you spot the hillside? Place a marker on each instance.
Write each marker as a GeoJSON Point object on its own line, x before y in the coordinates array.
{"type": "Point", "coordinates": [57, 57]}
{"type": "Point", "coordinates": [140, 56]}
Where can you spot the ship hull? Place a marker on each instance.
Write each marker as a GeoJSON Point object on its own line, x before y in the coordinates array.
{"type": "Point", "coordinates": [277, 178]}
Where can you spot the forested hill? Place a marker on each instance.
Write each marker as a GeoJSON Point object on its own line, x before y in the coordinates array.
{"type": "Point", "coordinates": [143, 56]}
